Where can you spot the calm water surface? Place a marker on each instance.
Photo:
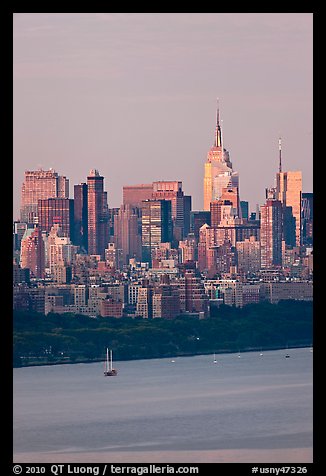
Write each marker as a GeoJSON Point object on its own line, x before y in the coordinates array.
{"type": "Point", "coordinates": [253, 403]}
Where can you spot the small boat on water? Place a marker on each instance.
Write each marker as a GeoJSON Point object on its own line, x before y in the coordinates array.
{"type": "Point", "coordinates": [215, 361]}
{"type": "Point", "coordinates": [109, 371]}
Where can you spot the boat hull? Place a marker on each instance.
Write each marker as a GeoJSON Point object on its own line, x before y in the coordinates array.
{"type": "Point", "coordinates": [110, 373]}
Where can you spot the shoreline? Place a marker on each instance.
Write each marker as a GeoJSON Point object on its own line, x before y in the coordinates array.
{"type": "Point", "coordinates": [219, 352]}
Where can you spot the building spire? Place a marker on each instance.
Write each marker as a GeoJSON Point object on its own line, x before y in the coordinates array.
{"type": "Point", "coordinates": [218, 132]}
{"type": "Point", "coordinates": [217, 111]}
{"type": "Point", "coordinates": [280, 154]}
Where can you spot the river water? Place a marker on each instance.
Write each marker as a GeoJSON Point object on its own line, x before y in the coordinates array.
{"type": "Point", "coordinates": [252, 408]}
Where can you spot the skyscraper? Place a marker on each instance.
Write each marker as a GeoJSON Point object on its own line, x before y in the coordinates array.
{"type": "Point", "coordinates": [156, 226]}
{"type": "Point", "coordinates": [56, 211]}
{"type": "Point", "coordinates": [218, 169]}
{"type": "Point", "coordinates": [32, 253]}
{"type": "Point", "coordinates": [81, 216]}
{"type": "Point", "coordinates": [307, 218]}
{"type": "Point", "coordinates": [172, 190]}
{"type": "Point", "coordinates": [126, 233]}
{"type": "Point", "coordinates": [248, 254]}
{"type": "Point", "coordinates": [289, 192]}
{"type": "Point", "coordinates": [97, 214]}
{"type": "Point", "coordinates": [197, 220]}
{"type": "Point", "coordinates": [244, 205]}
{"type": "Point", "coordinates": [61, 252]}
{"type": "Point", "coordinates": [271, 234]}
{"type": "Point", "coordinates": [134, 194]}
{"type": "Point", "coordinates": [40, 184]}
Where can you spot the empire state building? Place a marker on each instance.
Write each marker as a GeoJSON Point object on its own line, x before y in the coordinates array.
{"type": "Point", "coordinates": [219, 174]}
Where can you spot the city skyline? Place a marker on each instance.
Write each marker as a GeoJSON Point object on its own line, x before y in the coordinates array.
{"type": "Point", "coordinates": [134, 95]}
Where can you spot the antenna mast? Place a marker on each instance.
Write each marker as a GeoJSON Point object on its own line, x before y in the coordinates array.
{"type": "Point", "coordinates": [280, 154]}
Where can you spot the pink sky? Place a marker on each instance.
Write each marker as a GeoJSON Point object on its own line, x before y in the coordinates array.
{"type": "Point", "coordinates": [134, 95]}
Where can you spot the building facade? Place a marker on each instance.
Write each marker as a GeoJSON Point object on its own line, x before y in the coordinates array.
{"type": "Point", "coordinates": [98, 215]}
{"type": "Point", "coordinates": [81, 216]}
{"type": "Point", "coordinates": [39, 185]}
{"type": "Point", "coordinates": [307, 218]}
{"type": "Point", "coordinates": [56, 211]}
{"type": "Point", "coordinates": [32, 253]}
{"type": "Point", "coordinates": [127, 233]}
{"type": "Point", "coordinates": [172, 190]}
{"type": "Point", "coordinates": [271, 234]}
{"type": "Point", "coordinates": [134, 195]}
{"type": "Point", "coordinates": [289, 192]}
{"type": "Point", "coordinates": [156, 226]}
{"type": "Point", "coordinates": [248, 256]}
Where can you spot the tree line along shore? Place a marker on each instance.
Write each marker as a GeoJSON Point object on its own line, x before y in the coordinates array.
{"type": "Point", "coordinates": [67, 338]}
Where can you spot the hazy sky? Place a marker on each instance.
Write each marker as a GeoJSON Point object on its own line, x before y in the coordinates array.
{"type": "Point", "coordinates": [134, 95]}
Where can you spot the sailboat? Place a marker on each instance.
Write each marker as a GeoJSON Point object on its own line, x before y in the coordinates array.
{"type": "Point", "coordinates": [109, 371]}
{"type": "Point", "coordinates": [215, 361]}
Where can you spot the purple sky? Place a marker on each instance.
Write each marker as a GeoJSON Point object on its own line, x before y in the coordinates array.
{"type": "Point", "coordinates": [134, 95]}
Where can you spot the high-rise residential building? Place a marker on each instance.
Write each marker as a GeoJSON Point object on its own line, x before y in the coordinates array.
{"type": "Point", "coordinates": [39, 185]}
{"type": "Point", "coordinates": [81, 216]}
{"type": "Point", "coordinates": [144, 306]}
{"type": "Point", "coordinates": [225, 259]}
{"type": "Point", "coordinates": [218, 169]}
{"type": "Point", "coordinates": [192, 294]}
{"type": "Point", "coordinates": [203, 245]}
{"type": "Point", "coordinates": [97, 214]}
{"type": "Point", "coordinates": [113, 256]}
{"type": "Point", "coordinates": [221, 210]}
{"type": "Point", "coordinates": [248, 256]}
{"type": "Point", "coordinates": [127, 236]}
{"type": "Point", "coordinates": [187, 249]}
{"type": "Point", "coordinates": [166, 301]}
{"type": "Point", "coordinates": [32, 253]}
{"type": "Point", "coordinates": [156, 226]}
{"type": "Point", "coordinates": [56, 211]}
{"type": "Point", "coordinates": [61, 252]}
{"type": "Point", "coordinates": [134, 195]}
{"type": "Point", "coordinates": [163, 253]}
{"type": "Point", "coordinates": [216, 251]}
{"type": "Point", "coordinates": [289, 193]}
{"type": "Point", "coordinates": [271, 234]}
